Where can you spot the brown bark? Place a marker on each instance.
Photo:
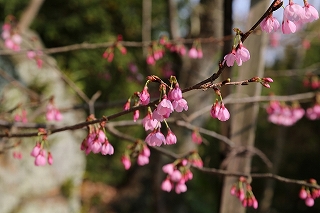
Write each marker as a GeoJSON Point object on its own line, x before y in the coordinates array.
{"type": "Point", "coordinates": [244, 116]}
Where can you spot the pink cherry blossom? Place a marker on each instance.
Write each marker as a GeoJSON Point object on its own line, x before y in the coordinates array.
{"type": "Point", "coordinates": [171, 138]}
{"type": "Point", "coordinates": [166, 185]}
{"type": "Point", "coordinates": [168, 168]}
{"type": "Point", "coordinates": [220, 112]}
{"type": "Point", "coordinates": [310, 13]}
{"type": "Point", "coordinates": [243, 53]}
{"type": "Point", "coordinates": [176, 176]}
{"type": "Point", "coordinates": [230, 58]}
{"type": "Point", "coordinates": [136, 115]}
{"type": "Point", "coordinates": [181, 187]}
{"type": "Point", "coordinates": [288, 26]}
{"type": "Point", "coordinates": [270, 24]}
{"type": "Point", "coordinates": [149, 123]}
{"type": "Point", "coordinates": [142, 160]}
{"type": "Point", "coordinates": [309, 201]}
{"type": "Point", "coordinates": [36, 150]}
{"type": "Point", "coordinates": [157, 116]}
{"type": "Point", "coordinates": [193, 53]}
{"type": "Point", "coordinates": [155, 138]}
{"type": "Point", "coordinates": [200, 53]}
{"type": "Point", "coordinates": [126, 162]}
{"type": "Point", "coordinates": [17, 155]}
{"type": "Point", "coordinates": [164, 107]}
{"type": "Point", "coordinates": [50, 158]}
{"type": "Point", "coordinates": [303, 194]}
{"type": "Point", "coordinates": [293, 12]}
{"type": "Point", "coordinates": [41, 159]}
{"type": "Point", "coordinates": [175, 94]}
{"type": "Point", "coordinates": [196, 137]}
{"type": "Point", "coordinates": [127, 105]}
{"type": "Point", "coordinates": [144, 96]}
{"type": "Point", "coordinates": [146, 151]}
{"type": "Point", "coordinates": [180, 105]}
{"type": "Point", "coordinates": [107, 148]}
{"type": "Point", "coordinates": [150, 60]}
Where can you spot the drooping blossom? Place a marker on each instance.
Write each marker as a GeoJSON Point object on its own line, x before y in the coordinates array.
{"type": "Point", "coordinates": [230, 58]}
{"type": "Point", "coordinates": [175, 94]}
{"type": "Point", "coordinates": [136, 115]}
{"type": "Point", "coordinates": [219, 111]}
{"type": "Point", "coordinates": [17, 155]}
{"type": "Point", "coordinates": [12, 38]}
{"type": "Point", "coordinates": [50, 158]}
{"type": "Point", "coordinates": [196, 137]}
{"type": "Point", "coordinates": [313, 113]}
{"type": "Point", "coordinates": [171, 138]}
{"type": "Point", "coordinates": [270, 24]}
{"type": "Point", "coordinates": [149, 123]}
{"type": "Point", "coordinates": [242, 53]}
{"type": "Point", "coordinates": [177, 175]}
{"type": "Point", "coordinates": [125, 160]}
{"type": "Point", "coordinates": [243, 191]}
{"type": "Point", "coordinates": [193, 53]}
{"type": "Point", "coordinates": [288, 26]}
{"type": "Point", "coordinates": [144, 96]}
{"type": "Point", "coordinates": [310, 13]}
{"type": "Point", "coordinates": [52, 112]}
{"type": "Point", "coordinates": [96, 140]}
{"type": "Point", "coordinates": [21, 117]}
{"type": "Point", "coordinates": [282, 114]}
{"type": "Point", "coordinates": [165, 106]}
{"type": "Point", "coordinates": [293, 12]}
{"type": "Point", "coordinates": [155, 138]}
{"type": "Point", "coordinates": [37, 56]}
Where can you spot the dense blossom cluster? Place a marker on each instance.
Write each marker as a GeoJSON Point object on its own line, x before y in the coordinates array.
{"type": "Point", "coordinates": [294, 17]}
{"type": "Point", "coordinates": [10, 34]}
{"type": "Point", "coordinates": [219, 111]}
{"type": "Point", "coordinates": [21, 117]}
{"type": "Point", "coordinates": [39, 153]}
{"type": "Point", "coordinates": [309, 194]}
{"type": "Point", "coordinates": [138, 150]}
{"type": "Point", "coordinates": [53, 113]}
{"type": "Point", "coordinates": [243, 191]}
{"type": "Point", "coordinates": [96, 140]}
{"type": "Point", "coordinates": [282, 114]}
{"type": "Point", "coordinates": [37, 56]}
{"type": "Point", "coordinates": [109, 52]}
{"type": "Point", "coordinates": [178, 173]}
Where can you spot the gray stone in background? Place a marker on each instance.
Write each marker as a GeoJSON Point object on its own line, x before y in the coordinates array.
{"type": "Point", "coordinates": [26, 188]}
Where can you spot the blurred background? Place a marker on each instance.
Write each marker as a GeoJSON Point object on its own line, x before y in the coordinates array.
{"type": "Point", "coordinates": [100, 183]}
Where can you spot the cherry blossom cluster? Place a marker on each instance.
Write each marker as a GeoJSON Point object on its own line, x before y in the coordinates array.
{"type": "Point", "coordinates": [294, 17]}
{"type": "Point", "coordinates": [282, 114]}
{"type": "Point", "coordinates": [196, 137]}
{"type": "Point", "coordinates": [178, 173]}
{"type": "Point", "coordinates": [109, 52]}
{"type": "Point", "coordinates": [157, 50]}
{"type": "Point", "coordinates": [39, 153]}
{"type": "Point", "coordinates": [168, 103]}
{"type": "Point", "coordinates": [243, 191]}
{"type": "Point", "coordinates": [219, 111]}
{"type": "Point", "coordinates": [96, 141]}
{"type": "Point", "coordinates": [21, 117]}
{"type": "Point", "coordinates": [313, 113]}
{"type": "Point", "coordinates": [138, 150]}
{"type": "Point", "coordinates": [309, 194]}
{"type": "Point", "coordinates": [53, 113]}
{"type": "Point", "coordinates": [37, 56]}
{"type": "Point", "coordinates": [311, 81]}
{"type": "Point", "coordinates": [10, 34]}
{"type": "Point", "coordinates": [196, 50]}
